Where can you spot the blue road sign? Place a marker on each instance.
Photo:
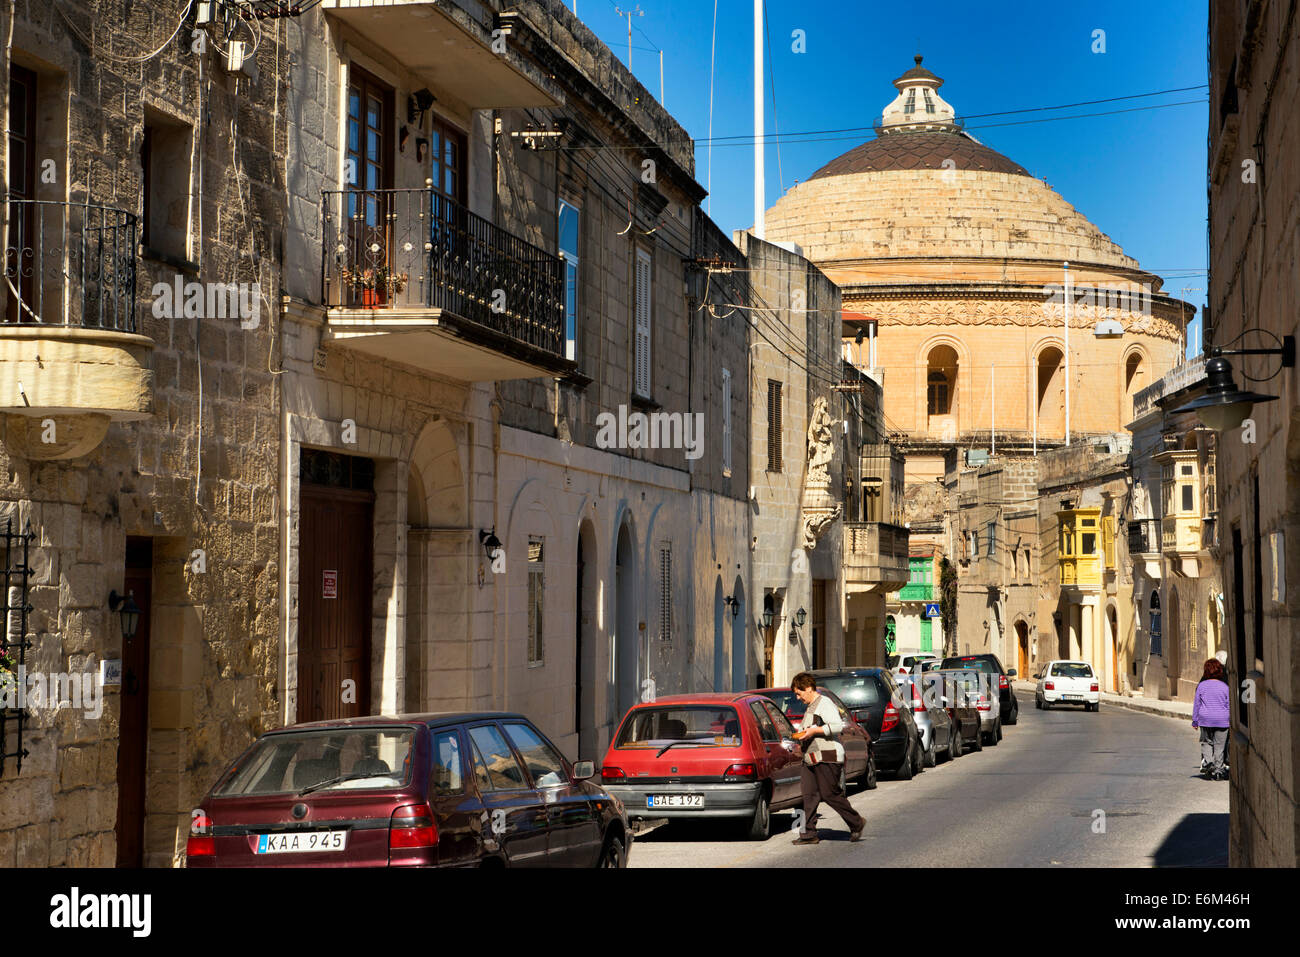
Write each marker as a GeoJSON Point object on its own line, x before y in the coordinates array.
{"type": "Point", "coordinates": [932, 609]}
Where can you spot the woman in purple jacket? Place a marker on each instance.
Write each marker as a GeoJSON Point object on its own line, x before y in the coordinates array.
{"type": "Point", "coordinates": [1210, 713]}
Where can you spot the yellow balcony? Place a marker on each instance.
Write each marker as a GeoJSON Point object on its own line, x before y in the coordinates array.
{"type": "Point", "coordinates": [1079, 549]}
{"type": "Point", "coordinates": [875, 557]}
{"type": "Point", "coordinates": [71, 362]}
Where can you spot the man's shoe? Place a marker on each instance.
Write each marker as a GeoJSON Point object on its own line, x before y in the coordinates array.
{"type": "Point", "coordinates": [807, 839]}
{"type": "Point", "coordinates": [855, 835]}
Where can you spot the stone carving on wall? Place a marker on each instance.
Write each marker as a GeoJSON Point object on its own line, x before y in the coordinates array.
{"type": "Point", "coordinates": [821, 443]}
{"type": "Point", "coordinates": [815, 525]}
{"type": "Point", "coordinates": [1006, 312]}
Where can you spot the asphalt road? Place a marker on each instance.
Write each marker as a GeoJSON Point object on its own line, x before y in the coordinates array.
{"type": "Point", "coordinates": [1032, 801]}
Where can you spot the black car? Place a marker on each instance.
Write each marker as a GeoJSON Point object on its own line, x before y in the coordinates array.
{"type": "Point", "coordinates": [1009, 708]}
{"type": "Point", "coordinates": [446, 790]}
{"type": "Point", "coordinates": [873, 698]}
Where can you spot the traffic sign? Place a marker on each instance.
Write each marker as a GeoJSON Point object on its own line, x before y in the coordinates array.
{"type": "Point", "coordinates": [931, 609]}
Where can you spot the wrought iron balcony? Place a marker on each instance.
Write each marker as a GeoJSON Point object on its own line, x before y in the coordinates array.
{"type": "Point", "coordinates": [1144, 536]}
{"type": "Point", "coordinates": [68, 345]}
{"type": "Point", "coordinates": [875, 557]}
{"type": "Point", "coordinates": [413, 277]}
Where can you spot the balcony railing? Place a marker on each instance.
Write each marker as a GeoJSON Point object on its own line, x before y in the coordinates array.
{"type": "Point", "coordinates": [876, 554]}
{"type": "Point", "coordinates": [415, 249]}
{"type": "Point", "coordinates": [1144, 536]}
{"type": "Point", "coordinates": [70, 264]}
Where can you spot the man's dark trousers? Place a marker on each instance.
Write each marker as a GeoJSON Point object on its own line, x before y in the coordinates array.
{"type": "Point", "coordinates": [821, 782]}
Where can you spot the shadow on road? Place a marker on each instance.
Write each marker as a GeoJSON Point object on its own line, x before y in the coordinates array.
{"type": "Point", "coordinates": [1199, 840]}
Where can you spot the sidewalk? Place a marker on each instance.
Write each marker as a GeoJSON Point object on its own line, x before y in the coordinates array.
{"type": "Point", "coordinates": [1179, 710]}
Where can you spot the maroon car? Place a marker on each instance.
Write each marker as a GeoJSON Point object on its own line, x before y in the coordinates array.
{"type": "Point", "coordinates": [859, 764]}
{"type": "Point", "coordinates": [412, 790]}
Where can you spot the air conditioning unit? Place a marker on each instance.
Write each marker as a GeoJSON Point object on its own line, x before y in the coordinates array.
{"type": "Point", "coordinates": [211, 15]}
{"type": "Point", "coordinates": [977, 456]}
{"type": "Point", "coordinates": [239, 59]}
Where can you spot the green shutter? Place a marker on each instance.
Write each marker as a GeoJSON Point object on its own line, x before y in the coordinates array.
{"type": "Point", "coordinates": [926, 635]}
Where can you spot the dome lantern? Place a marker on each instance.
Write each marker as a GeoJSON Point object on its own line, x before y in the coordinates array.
{"type": "Point", "coordinates": [918, 106]}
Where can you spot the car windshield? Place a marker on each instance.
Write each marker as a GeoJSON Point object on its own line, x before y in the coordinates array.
{"type": "Point", "coordinates": [1072, 669]}
{"type": "Point", "coordinates": [691, 725]}
{"type": "Point", "coordinates": [323, 760]}
{"type": "Point", "coordinates": [985, 665]}
{"type": "Point", "coordinates": [856, 691]}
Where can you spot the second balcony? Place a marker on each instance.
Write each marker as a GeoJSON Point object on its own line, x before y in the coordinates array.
{"type": "Point", "coordinates": [413, 278]}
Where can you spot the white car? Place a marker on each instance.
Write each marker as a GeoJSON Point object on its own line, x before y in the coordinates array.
{"type": "Point", "coordinates": [908, 662]}
{"type": "Point", "coordinates": [1068, 682]}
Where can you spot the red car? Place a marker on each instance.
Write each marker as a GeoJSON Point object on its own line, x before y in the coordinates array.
{"type": "Point", "coordinates": [859, 763]}
{"type": "Point", "coordinates": [464, 789]}
{"type": "Point", "coordinates": [705, 756]}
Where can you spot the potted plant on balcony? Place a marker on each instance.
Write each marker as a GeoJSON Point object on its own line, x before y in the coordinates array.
{"type": "Point", "coordinates": [8, 679]}
{"type": "Point", "coordinates": [375, 284]}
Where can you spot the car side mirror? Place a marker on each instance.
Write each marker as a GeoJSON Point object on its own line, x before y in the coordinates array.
{"type": "Point", "coordinates": [1011, 673]}
{"type": "Point", "coordinates": [584, 770]}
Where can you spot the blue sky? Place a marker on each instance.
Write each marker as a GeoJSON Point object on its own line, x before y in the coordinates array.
{"type": "Point", "coordinates": [1140, 176]}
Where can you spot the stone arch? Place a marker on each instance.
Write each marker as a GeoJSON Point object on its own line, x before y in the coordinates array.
{"type": "Point", "coordinates": [1134, 370]}
{"type": "Point", "coordinates": [586, 632]}
{"type": "Point", "coordinates": [720, 610]}
{"type": "Point", "coordinates": [739, 638]}
{"type": "Point", "coordinates": [1023, 656]}
{"type": "Point", "coordinates": [1049, 387]}
{"type": "Point", "coordinates": [624, 637]}
{"type": "Point", "coordinates": [1111, 650]}
{"type": "Point", "coordinates": [946, 358]}
{"type": "Point", "coordinates": [436, 459]}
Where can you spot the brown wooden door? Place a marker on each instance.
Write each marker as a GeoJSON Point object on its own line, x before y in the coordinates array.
{"type": "Point", "coordinates": [20, 242]}
{"type": "Point", "coordinates": [133, 724]}
{"type": "Point", "coordinates": [818, 617]}
{"type": "Point", "coordinates": [334, 602]}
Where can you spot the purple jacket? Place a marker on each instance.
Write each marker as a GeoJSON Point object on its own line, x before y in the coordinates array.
{"type": "Point", "coordinates": [1210, 706]}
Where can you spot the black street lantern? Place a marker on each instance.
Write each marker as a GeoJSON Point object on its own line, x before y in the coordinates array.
{"type": "Point", "coordinates": [128, 612]}
{"type": "Point", "coordinates": [1224, 406]}
{"type": "Point", "coordinates": [768, 613]}
{"type": "Point", "coordinates": [490, 542]}
{"type": "Point", "coordinates": [733, 603]}
{"type": "Point", "coordinates": [800, 617]}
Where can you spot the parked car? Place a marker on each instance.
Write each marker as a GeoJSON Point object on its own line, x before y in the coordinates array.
{"type": "Point", "coordinates": [859, 766]}
{"type": "Point", "coordinates": [932, 721]}
{"type": "Point", "coordinates": [705, 756]}
{"type": "Point", "coordinates": [872, 696]}
{"type": "Point", "coordinates": [949, 689]}
{"type": "Point", "coordinates": [464, 789]}
{"type": "Point", "coordinates": [1068, 682]}
{"type": "Point", "coordinates": [990, 665]}
{"type": "Point", "coordinates": [905, 664]}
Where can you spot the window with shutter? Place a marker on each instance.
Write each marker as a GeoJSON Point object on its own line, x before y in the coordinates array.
{"type": "Point", "coordinates": [641, 344]}
{"type": "Point", "coordinates": [1108, 539]}
{"type": "Point", "coordinates": [726, 422]}
{"type": "Point", "coordinates": [666, 593]}
{"type": "Point", "coordinates": [773, 425]}
{"type": "Point", "coordinates": [536, 583]}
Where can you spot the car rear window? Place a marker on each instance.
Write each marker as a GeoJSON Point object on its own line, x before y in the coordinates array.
{"type": "Point", "coordinates": [1072, 669]}
{"type": "Point", "coordinates": [787, 702]}
{"type": "Point", "coordinates": [985, 665]}
{"type": "Point", "coordinates": [325, 760]}
{"type": "Point", "coordinates": [698, 725]}
{"type": "Point", "coordinates": [856, 691]}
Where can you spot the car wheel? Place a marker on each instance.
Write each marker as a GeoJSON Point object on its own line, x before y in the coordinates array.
{"type": "Point", "coordinates": [904, 772]}
{"type": "Point", "coordinates": [927, 756]}
{"type": "Point", "coordinates": [956, 744]}
{"type": "Point", "coordinates": [918, 757]}
{"type": "Point", "coordinates": [1038, 702]}
{"type": "Point", "coordinates": [978, 743]}
{"type": "Point", "coordinates": [1015, 713]}
{"type": "Point", "coordinates": [1047, 705]}
{"type": "Point", "coordinates": [1097, 706]}
{"type": "Point", "coordinates": [760, 828]}
{"type": "Point", "coordinates": [612, 853]}
{"type": "Point", "coordinates": [870, 777]}
{"type": "Point", "coordinates": [996, 734]}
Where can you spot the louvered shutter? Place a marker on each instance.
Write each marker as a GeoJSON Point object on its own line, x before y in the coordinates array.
{"type": "Point", "coordinates": [726, 421]}
{"type": "Point", "coordinates": [641, 343]}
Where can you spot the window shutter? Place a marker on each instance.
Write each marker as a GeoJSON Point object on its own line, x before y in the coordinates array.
{"type": "Point", "coordinates": [726, 421]}
{"type": "Point", "coordinates": [1108, 539]}
{"type": "Point", "coordinates": [773, 425]}
{"type": "Point", "coordinates": [666, 593]}
{"type": "Point", "coordinates": [641, 346]}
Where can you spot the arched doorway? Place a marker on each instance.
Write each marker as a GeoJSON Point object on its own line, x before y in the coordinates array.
{"type": "Point", "coordinates": [940, 387]}
{"type": "Point", "coordinates": [1134, 382]}
{"type": "Point", "coordinates": [719, 637]}
{"type": "Point", "coordinates": [1022, 650]}
{"type": "Point", "coordinates": [626, 643]}
{"type": "Point", "coordinates": [585, 632]}
{"type": "Point", "coordinates": [1173, 642]}
{"type": "Point", "coordinates": [739, 639]}
{"type": "Point", "coordinates": [1112, 623]}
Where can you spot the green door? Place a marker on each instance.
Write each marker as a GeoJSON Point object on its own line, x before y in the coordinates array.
{"type": "Point", "coordinates": [926, 635]}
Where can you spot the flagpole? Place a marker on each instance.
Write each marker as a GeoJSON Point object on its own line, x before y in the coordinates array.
{"type": "Point", "coordinates": [759, 190]}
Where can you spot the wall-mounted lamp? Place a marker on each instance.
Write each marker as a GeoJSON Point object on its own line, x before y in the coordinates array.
{"type": "Point", "coordinates": [800, 617]}
{"type": "Point", "coordinates": [769, 612]}
{"type": "Point", "coordinates": [490, 542]}
{"type": "Point", "coordinates": [128, 611]}
{"type": "Point", "coordinates": [732, 602]}
{"type": "Point", "coordinates": [417, 104]}
{"type": "Point", "coordinates": [1224, 406]}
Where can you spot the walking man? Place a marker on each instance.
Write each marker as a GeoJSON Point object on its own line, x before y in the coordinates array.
{"type": "Point", "coordinates": [821, 776]}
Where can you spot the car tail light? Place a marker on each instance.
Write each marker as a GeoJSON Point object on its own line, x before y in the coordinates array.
{"type": "Point", "coordinates": [1002, 682]}
{"type": "Point", "coordinates": [1049, 685]}
{"type": "Point", "coordinates": [918, 703]}
{"type": "Point", "coordinates": [412, 826]}
{"type": "Point", "coordinates": [890, 719]}
{"type": "Point", "coordinates": [1093, 686]}
{"type": "Point", "coordinates": [201, 843]}
{"type": "Point", "coordinates": [739, 772]}
{"type": "Point", "coordinates": [984, 704]}
{"type": "Point", "coordinates": [611, 775]}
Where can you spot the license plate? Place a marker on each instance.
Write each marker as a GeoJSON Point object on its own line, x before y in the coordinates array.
{"type": "Point", "coordinates": [302, 842]}
{"type": "Point", "coordinates": [674, 800]}
{"type": "Point", "coordinates": [1072, 697]}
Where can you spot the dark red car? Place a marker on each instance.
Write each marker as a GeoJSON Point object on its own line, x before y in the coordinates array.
{"type": "Point", "coordinates": [859, 763]}
{"type": "Point", "coordinates": [411, 790]}
{"type": "Point", "coordinates": [705, 756]}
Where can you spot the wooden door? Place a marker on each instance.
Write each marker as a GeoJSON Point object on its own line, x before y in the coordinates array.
{"type": "Point", "coordinates": [335, 580]}
{"type": "Point", "coordinates": [133, 723]}
{"type": "Point", "coordinates": [368, 172]}
{"type": "Point", "coordinates": [1022, 642]}
{"type": "Point", "coordinates": [819, 623]}
{"type": "Point", "coordinates": [21, 242]}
